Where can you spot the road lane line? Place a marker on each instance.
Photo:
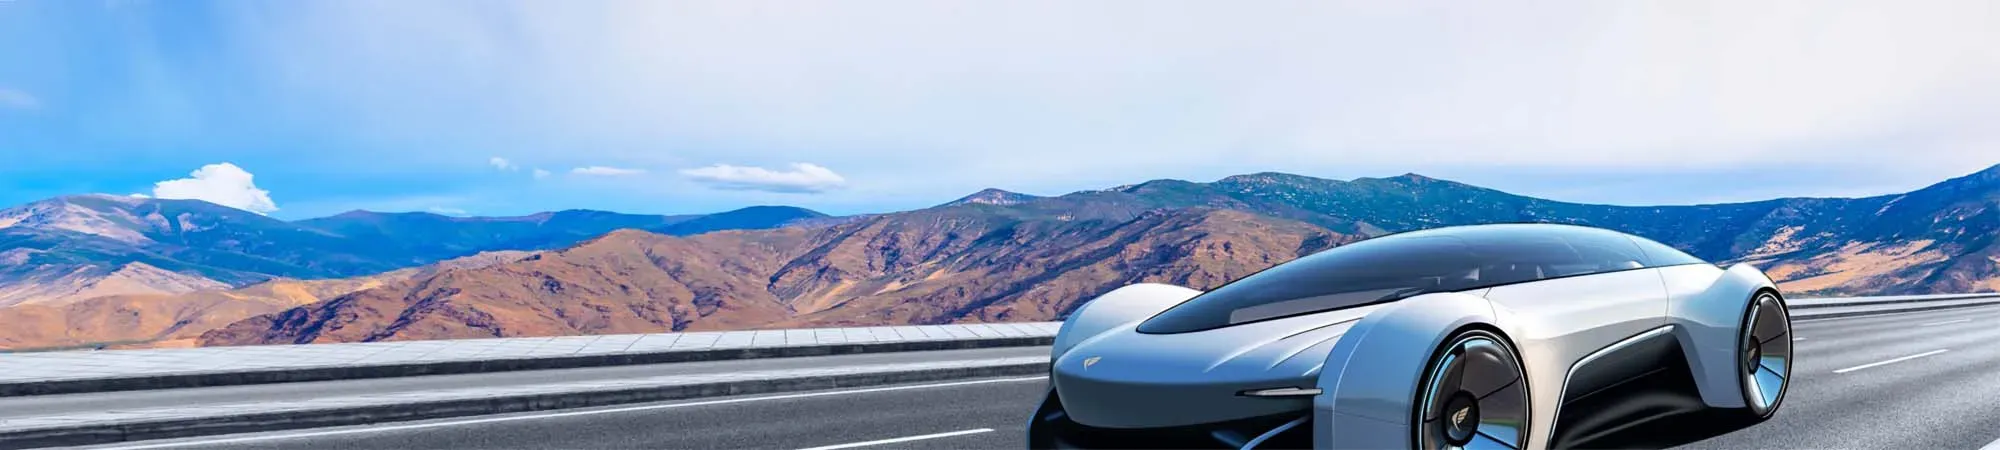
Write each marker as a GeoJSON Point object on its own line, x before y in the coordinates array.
{"type": "Point", "coordinates": [1948, 322]}
{"type": "Point", "coordinates": [1796, 339]}
{"type": "Point", "coordinates": [377, 429]}
{"type": "Point", "coordinates": [904, 439]}
{"type": "Point", "coordinates": [1892, 361]}
{"type": "Point", "coordinates": [1995, 445]}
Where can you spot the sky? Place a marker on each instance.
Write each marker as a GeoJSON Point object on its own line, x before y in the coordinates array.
{"type": "Point", "coordinates": [308, 108]}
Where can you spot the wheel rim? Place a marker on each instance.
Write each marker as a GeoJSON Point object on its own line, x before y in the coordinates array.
{"type": "Point", "coordinates": [1766, 354]}
{"type": "Point", "coordinates": [1474, 397]}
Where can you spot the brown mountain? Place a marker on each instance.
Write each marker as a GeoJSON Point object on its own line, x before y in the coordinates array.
{"type": "Point", "coordinates": [74, 248]}
{"type": "Point", "coordinates": [1032, 258]}
{"type": "Point", "coordinates": [932, 266]}
{"type": "Point", "coordinates": [61, 285]}
{"type": "Point", "coordinates": [174, 320]}
{"type": "Point", "coordinates": [909, 270]}
{"type": "Point", "coordinates": [1939, 239]}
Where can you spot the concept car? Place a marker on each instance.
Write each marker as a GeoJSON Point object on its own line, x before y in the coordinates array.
{"type": "Point", "coordinates": [1513, 336]}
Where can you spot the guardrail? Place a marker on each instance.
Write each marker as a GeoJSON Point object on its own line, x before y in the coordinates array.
{"type": "Point", "coordinates": [227, 417]}
{"type": "Point", "coordinates": [67, 372]}
{"type": "Point", "coordinates": [1830, 308]}
{"type": "Point", "coordinates": [1822, 302]}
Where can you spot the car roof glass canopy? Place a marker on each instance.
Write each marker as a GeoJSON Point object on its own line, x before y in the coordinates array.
{"type": "Point", "coordinates": [1394, 267]}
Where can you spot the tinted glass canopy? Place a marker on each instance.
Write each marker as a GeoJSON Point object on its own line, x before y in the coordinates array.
{"type": "Point", "coordinates": [1403, 265]}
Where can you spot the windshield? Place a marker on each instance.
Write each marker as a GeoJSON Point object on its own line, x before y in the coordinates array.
{"type": "Point", "coordinates": [1400, 266]}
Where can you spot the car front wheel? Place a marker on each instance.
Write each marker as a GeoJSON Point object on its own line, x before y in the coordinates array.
{"type": "Point", "coordinates": [1474, 395]}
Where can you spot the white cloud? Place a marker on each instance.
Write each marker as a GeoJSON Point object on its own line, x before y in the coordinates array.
{"type": "Point", "coordinates": [502, 163]}
{"type": "Point", "coordinates": [139, 195]}
{"type": "Point", "coordinates": [606, 171]}
{"type": "Point", "coordinates": [18, 99]}
{"type": "Point", "coordinates": [540, 174]}
{"type": "Point", "coordinates": [221, 183]}
{"type": "Point", "coordinates": [802, 178]}
{"type": "Point", "coordinates": [446, 211]}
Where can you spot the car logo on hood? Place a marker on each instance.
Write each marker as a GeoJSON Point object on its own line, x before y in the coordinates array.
{"type": "Point", "coordinates": [1087, 362]}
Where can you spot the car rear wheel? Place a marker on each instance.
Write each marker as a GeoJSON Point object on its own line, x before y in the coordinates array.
{"type": "Point", "coordinates": [1474, 396]}
{"type": "Point", "coordinates": [1764, 359]}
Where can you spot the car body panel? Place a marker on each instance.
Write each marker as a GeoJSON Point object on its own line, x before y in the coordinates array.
{"type": "Point", "coordinates": [1128, 370]}
{"type": "Point", "coordinates": [1121, 306]}
{"type": "Point", "coordinates": [1621, 361]}
{"type": "Point", "coordinates": [1707, 307]}
{"type": "Point", "coordinates": [1355, 371]}
{"type": "Point", "coordinates": [1394, 346]}
{"type": "Point", "coordinates": [1557, 322]}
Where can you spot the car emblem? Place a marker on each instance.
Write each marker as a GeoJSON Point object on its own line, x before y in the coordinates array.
{"type": "Point", "coordinates": [1458, 418]}
{"type": "Point", "coordinates": [1087, 362]}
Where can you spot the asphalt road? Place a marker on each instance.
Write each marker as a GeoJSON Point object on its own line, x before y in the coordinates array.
{"type": "Point", "coordinates": [1914, 380]}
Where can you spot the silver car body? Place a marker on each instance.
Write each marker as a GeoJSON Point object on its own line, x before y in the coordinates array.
{"type": "Point", "coordinates": [1366, 361]}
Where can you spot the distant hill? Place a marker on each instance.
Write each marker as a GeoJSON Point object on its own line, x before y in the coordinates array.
{"type": "Point", "coordinates": [1939, 239]}
{"type": "Point", "coordinates": [55, 285]}
{"type": "Point", "coordinates": [751, 218]}
{"type": "Point", "coordinates": [993, 197]}
{"type": "Point", "coordinates": [176, 319]}
{"type": "Point", "coordinates": [73, 248]}
{"type": "Point", "coordinates": [428, 236]}
{"type": "Point", "coordinates": [929, 266]}
{"type": "Point", "coordinates": [80, 240]}
{"type": "Point", "coordinates": [1037, 258]}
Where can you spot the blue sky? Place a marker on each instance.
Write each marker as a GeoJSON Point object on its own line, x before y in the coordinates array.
{"type": "Point", "coordinates": [856, 106]}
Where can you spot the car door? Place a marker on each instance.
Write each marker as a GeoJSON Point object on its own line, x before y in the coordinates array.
{"type": "Point", "coordinates": [1588, 290]}
{"type": "Point", "coordinates": [1582, 324]}
{"type": "Point", "coordinates": [1561, 322]}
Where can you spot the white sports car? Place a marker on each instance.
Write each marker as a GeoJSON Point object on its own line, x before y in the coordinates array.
{"type": "Point", "coordinates": [1512, 336]}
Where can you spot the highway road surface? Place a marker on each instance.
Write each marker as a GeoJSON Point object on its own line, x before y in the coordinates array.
{"type": "Point", "coordinates": [1915, 380]}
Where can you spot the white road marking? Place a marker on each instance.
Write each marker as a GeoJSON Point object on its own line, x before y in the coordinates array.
{"type": "Point", "coordinates": [1948, 322]}
{"type": "Point", "coordinates": [1796, 339]}
{"type": "Point", "coordinates": [1995, 445]}
{"type": "Point", "coordinates": [377, 429]}
{"type": "Point", "coordinates": [1892, 361]}
{"type": "Point", "coordinates": [904, 439]}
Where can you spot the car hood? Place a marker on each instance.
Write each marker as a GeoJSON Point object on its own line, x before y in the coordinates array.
{"type": "Point", "coordinates": [1126, 379]}
{"type": "Point", "coordinates": [1294, 346]}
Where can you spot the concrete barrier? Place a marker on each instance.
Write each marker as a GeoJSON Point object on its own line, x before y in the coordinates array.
{"type": "Point", "coordinates": [1892, 305]}
{"type": "Point", "coordinates": [122, 370]}
{"type": "Point", "coordinates": [137, 425]}
{"type": "Point", "coordinates": [1828, 302]}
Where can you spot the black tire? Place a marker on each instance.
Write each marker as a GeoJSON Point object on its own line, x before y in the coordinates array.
{"type": "Point", "coordinates": [1474, 388]}
{"type": "Point", "coordinates": [1044, 425]}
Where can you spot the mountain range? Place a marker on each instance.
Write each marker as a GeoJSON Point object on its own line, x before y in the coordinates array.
{"type": "Point", "coordinates": [163, 319]}
{"type": "Point", "coordinates": [68, 249]}
{"type": "Point", "coordinates": [991, 256]}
